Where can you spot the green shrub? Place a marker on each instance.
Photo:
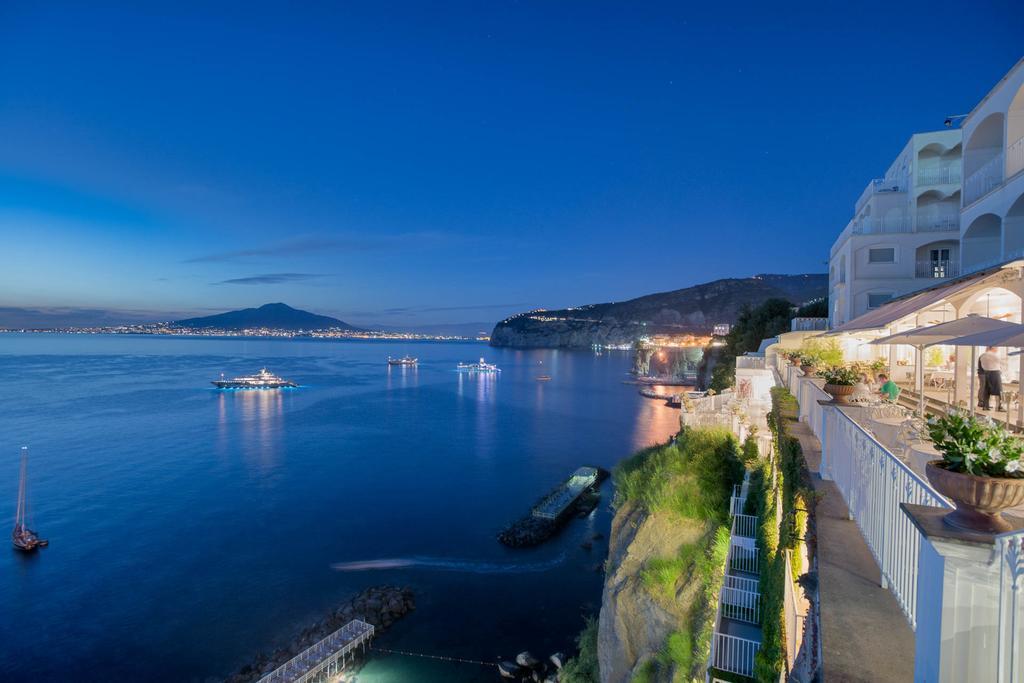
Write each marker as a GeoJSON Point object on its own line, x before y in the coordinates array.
{"type": "Point", "coordinates": [583, 667]}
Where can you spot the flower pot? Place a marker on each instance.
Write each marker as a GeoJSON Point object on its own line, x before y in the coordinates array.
{"type": "Point", "coordinates": [807, 369]}
{"type": "Point", "coordinates": [840, 393]}
{"type": "Point", "coordinates": [979, 500]}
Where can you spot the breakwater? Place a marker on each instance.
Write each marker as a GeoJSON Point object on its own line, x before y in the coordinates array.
{"type": "Point", "coordinates": [380, 606]}
{"type": "Point", "coordinates": [576, 496]}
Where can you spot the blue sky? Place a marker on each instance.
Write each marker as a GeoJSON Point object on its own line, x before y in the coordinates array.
{"type": "Point", "coordinates": [412, 163]}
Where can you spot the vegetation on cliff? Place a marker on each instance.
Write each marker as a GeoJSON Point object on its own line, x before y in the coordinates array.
{"type": "Point", "coordinates": [754, 324]}
{"type": "Point", "coordinates": [685, 486]}
{"type": "Point", "coordinates": [691, 310]}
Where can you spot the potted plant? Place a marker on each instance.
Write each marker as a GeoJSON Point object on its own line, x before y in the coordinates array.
{"type": "Point", "coordinates": [981, 470]}
{"type": "Point", "coordinates": [807, 363]}
{"type": "Point", "coordinates": [839, 382]}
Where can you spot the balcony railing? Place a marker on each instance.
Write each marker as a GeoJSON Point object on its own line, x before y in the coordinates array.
{"type": "Point", "coordinates": [949, 223]}
{"type": "Point", "coordinates": [937, 270]}
{"type": "Point", "coordinates": [883, 226]}
{"type": "Point", "coordinates": [1015, 158]}
{"type": "Point", "coordinates": [948, 175]}
{"type": "Point", "coordinates": [880, 186]}
{"type": "Point", "coordinates": [735, 655]}
{"type": "Point", "coordinates": [984, 180]}
{"type": "Point", "coordinates": [808, 324]}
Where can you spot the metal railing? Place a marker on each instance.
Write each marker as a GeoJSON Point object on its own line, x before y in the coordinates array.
{"type": "Point", "coordinates": [873, 483]}
{"type": "Point", "coordinates": [324, 657]}
{"type": "Point", "coordinates": [735, 655]}
{"type": "Point", "coordinates": [743, 556]}
{"type": "Point", "coordinates": [883, 226]}
{"type": "Point", "coordinates": [744, 525]}
{"type": "Point", "coordinates": [738, 500]}
{"type": "Point", "coordinates": [984, 180]}
{"type": "Point", "coordinates": [937, 269]}
{"type": "Point", "coordinates": [808, 324]}
{"type": "Point", "coordinates": [1015, 158]}
{"type": "Point", "coordinates": [741, 605]}
{"type": "Point", "coordinates": [880, 186]}
{"type": "Point", "coordinates": [946, 175]}
{"type": "Point", "coordinates": [948, 223]}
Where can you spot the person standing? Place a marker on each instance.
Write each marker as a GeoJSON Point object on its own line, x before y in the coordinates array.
{"type": "Point", "coordinates": [993, 382]}
{"type": "Point", "coordinates": [982, 386]}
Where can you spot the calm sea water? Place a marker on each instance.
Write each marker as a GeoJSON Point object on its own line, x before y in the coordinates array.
{"type": "Point", "coordinates": [191, 528]}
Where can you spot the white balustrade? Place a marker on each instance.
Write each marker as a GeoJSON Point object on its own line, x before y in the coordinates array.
{"type": "Point", "coordinates": [741, 605]}
{"type": "Point", "coordinates": [1009, 552]}
{"type": "Point", "coordinates": [873, 483]}
{"type": "Point", "coordinates": [946, 175]}
{"type": "Point", "coordinates": [743, 556]}
{"type": "Point", "coordinates": [735, 655]}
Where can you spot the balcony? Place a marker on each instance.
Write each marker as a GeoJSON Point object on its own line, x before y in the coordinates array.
{"type": "Point", "coordinates": [1015, 158]}
{"type": "Point", "coordinates": [883, 226]}
{"type": "Point", "coordinates": [880, 186]}
{"type": "Point", "coordinates": [984, 180]}
{"type": "Point", "coordinates": [808, 325]}
{"type": "Point", "coordinates": [948, 223]}
{"type": "Point", "coordinates": [949, 175]}
{"type": "Point", "coordinates": [937, 270]}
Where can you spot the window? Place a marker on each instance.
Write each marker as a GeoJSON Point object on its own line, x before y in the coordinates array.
{"type": "Point", "coordinates": [876, 300]}
{"type": "Point", "coordinates": [886, 255]}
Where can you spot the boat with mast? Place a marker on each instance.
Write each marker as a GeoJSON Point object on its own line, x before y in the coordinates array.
{"type": "Point", "coordinates": [264, 379]}
{"type": "Point", "coordinates": [24, 538]}
{"type": "Point", "coordinates": [406, 361]}
{"type": "Point", "coordinates": [482, 366]}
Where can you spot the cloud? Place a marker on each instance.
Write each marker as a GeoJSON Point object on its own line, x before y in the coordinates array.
{"type": "Point", "coordinates": [317, 244]}
{"type": "Point", "coordinates": [270, 279]}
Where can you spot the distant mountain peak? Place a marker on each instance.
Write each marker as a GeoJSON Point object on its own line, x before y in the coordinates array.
{"type": "Point", "coordinates": [277, 315]}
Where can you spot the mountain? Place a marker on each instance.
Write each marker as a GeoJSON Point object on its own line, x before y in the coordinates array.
{"type": "Point", "coordinates": [275, 316]}
{"type": "Point", "coordinates": [692, 310]}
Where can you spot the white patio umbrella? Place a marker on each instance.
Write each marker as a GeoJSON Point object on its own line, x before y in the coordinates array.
{"type": "Point", "coordinates": [1012, 336]}
{"type": "Point", "coordinates": [941, 334]}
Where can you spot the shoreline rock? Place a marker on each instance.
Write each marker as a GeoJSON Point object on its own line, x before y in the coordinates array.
{"type": "Point", "coordinates": [378, 605]}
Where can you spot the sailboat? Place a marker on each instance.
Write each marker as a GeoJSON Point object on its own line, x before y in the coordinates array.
{"type": "Point", "coordinates": [24, 538]}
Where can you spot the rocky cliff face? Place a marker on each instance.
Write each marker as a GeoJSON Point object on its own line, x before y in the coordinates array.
{"type": "Point", "coordinates": [634, 624]}
{"type": "Point", "coordinates": [692, 310]}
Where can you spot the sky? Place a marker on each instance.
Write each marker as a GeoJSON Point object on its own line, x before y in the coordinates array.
{"type": "Point", "coordinates": [411, 163]}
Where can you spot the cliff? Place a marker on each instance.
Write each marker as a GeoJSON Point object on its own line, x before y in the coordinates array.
{"type": "Point", "coordinates": [691, 310]}
{"type": "Point", "coordinates": [635, 623]}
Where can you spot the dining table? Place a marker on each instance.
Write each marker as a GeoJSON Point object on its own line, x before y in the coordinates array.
{"type": "Point", "coordinates": [920, 454]}
{"type": "Point", "coordinates": [886, 429]}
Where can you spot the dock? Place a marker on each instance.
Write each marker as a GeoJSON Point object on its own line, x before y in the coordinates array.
{"type": "Point", "coordinates": [565, 495]}
{"type": "Point", "coordinates": [325, 659]}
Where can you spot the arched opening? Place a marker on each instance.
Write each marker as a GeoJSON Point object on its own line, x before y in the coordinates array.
{"type": "Point", "coordinates": [1015, 135]}
{"type": "Point", "coordinates": [982, 241]}
{"type": "Point", "coordinates": [983, 166]}
{"type": "Point", "coordinates": [1013, 229]}
{"type": "Point", "coordinates": [938, 260]}
{"type": "Point", "coordinates": [937, 165]}
{"type": "Point", "coordinates": [937, 212]}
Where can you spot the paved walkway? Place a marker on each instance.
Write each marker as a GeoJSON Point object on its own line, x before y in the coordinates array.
{"type": "Point", "coordinates": [864, 635]}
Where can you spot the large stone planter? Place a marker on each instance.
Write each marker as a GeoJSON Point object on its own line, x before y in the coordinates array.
{"type": "Point", "coordinates": [840, 393]}
{"type": "Point", "coordinates": [979, 500]}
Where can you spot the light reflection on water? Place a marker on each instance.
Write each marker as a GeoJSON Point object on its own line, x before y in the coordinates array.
{"type": "Point", "coordinates": [221, 512]}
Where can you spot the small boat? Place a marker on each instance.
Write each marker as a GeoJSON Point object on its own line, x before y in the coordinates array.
{"type": "Point", "coordinates": [264, 379]}
{"type": "Point", "coordinates": [526, 659]}
{"type": "Point", "coordinates": [403, 361]}
{"type": "Point", "coordinates": [482, 366]}
{"type": "Point", "coordinates": [543, 378]}
{"type": "Point", "coordinates": [22, 537]}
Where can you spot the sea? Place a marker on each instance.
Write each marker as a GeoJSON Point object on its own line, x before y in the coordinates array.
{"type": "Point", "coordinates": [191, 528]}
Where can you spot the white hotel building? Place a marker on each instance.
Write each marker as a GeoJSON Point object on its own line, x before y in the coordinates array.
{"type": "Point", "coordinates": [905, 232]}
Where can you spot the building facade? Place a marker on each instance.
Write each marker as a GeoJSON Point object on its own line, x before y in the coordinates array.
{"type": "Point", "coordinates": [992, 215]}
{"type": "Point", "coordinates": [905, 233]}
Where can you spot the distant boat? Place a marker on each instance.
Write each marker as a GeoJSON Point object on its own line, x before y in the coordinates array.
{"type": "Point", "coordinates": [543, 378]}
{"type": "Point", "coordinates": [405, 360]}
{"type": "Point", "coordinates": [264, 379]}
{"type": "Point", "coordinates": [24, 539]}
{"type": "Point", "coordinates": [479, 367]}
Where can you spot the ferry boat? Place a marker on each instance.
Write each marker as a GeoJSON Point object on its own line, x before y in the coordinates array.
{"type": "Point", "coordinates": [264, 379]}
{"type": "Point", "coordinates": [479, 367]}
{"type": "Point", "coordinates": [404, 361]}
{"type": "Point", "coordinates": [22, 537]}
